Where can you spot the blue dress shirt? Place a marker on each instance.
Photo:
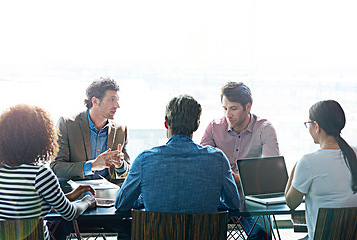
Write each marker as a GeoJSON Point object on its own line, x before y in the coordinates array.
{"type": "Point", "coordinates": [180, 177]}
{"type": "Point", "coordinates": [98, 145]}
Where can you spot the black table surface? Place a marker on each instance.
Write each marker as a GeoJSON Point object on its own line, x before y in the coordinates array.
{"type": "Point", "coordinates": [254, 209]}
{"type": "Point", "coordinates": [247, 208]}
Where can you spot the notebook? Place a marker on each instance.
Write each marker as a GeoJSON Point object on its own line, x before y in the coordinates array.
{"type": "Point", "coordinates": [263, 179]}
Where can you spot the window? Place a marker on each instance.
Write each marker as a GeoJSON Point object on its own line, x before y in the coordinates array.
{"type": "Point", "coordinates": [291, 55]}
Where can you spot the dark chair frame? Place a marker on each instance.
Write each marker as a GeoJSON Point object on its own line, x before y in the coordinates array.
{"type": "Point", "coordinates": [178, 226]}
{"type": "Point", "coordinates": [94, 231]}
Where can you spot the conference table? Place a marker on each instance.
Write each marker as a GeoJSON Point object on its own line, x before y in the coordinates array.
{"type": "Point", "coordinates": [103, 215]}
{"type": "Point", "coordinates": [248, 208]}
{"type": "Point", "coordinates": [97, 217]}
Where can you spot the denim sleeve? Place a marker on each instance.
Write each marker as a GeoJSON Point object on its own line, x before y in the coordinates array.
{"type": "Point", "coordinates": [221, 206]}
{"type": "Point", "coordinates": [139, 203]}
{"type": "Point", "coordinates": [229, 197]}
{"type": "Point", "coordinates": [130, 190]}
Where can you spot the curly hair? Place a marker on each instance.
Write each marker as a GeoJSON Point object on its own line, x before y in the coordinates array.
{"type": "Point", "coordinates": [28, 136]}
{"type": "Point", "coordinates": [183, 115]}
{"type": "Point", "coordinates": [98, 89]}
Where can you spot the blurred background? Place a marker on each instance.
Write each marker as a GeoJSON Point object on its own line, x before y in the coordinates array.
{"type": "Point", "coordinates": [290, 53]}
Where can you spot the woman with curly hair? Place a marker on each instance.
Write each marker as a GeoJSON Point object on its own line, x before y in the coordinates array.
{"type": "Point", "coordinates": [28, 188]}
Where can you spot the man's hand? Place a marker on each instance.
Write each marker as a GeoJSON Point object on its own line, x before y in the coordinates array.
{"type": "Point", "coordinates": [119, 161]}
{"type": "Point", "coordinates": [236, 178]}
{"type": "Point", "coordinates": [108, 158]}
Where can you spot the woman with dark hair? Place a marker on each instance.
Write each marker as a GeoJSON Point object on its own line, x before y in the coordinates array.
{"type": "Point", "coordinates": [327, 177]}
{"type": "Point", "coordinates": [29, 189]}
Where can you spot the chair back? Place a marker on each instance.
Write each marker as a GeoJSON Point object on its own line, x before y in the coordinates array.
{"type": "Point", "coordinates": [336, 223]}
{"type": "Point", "coordinates": [26, 229]}
{"type": "Point", "coordinates": [178, 226]}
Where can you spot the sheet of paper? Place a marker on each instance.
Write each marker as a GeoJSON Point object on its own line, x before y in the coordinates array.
{"type": "Point", "coordinates": [95, 184]}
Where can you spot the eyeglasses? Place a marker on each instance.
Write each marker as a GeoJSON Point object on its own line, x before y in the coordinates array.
{"type": "Point", "coordinates": [306, 123]}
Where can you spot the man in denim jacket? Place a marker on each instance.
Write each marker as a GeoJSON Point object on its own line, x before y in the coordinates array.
{"type": "Point", "coordinates": [181, 176]}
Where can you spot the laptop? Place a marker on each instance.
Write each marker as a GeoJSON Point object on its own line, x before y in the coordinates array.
{"type": "Point", "coordinates": [263, 179]}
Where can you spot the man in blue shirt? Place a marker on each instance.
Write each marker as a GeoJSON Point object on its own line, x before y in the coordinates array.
{"type": "Point", "coordinates": [181, 176]}
{"type": "Point", "coordinates": [91, 144]}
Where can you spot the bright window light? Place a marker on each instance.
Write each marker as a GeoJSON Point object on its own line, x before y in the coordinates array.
{"type": "Point", "coordinates": [290, 53]}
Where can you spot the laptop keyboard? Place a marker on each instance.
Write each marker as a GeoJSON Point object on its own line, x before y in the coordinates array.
{"type": "Point", "coordinates": [271, 195]}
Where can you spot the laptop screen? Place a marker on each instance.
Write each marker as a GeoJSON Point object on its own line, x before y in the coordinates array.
{"type": "Point", "coordinates": [262, 175]}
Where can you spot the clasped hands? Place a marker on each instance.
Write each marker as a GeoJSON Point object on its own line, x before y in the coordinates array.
{"type": "Point", "coordinates": [108, 158]}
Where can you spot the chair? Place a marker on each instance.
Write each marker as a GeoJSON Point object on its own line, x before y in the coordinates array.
{"type": "Point", "coordinates": [26, 229]}
{"type": "Point", "coordinates": [178, 226]}
{"type": "Point", "coordinates": [336, 223]}
{"type": "Point", "coordinates": [91, 230]}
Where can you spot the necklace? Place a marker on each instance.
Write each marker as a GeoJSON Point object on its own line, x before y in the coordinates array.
{"type": "Point", "coordinates": [331, 143]}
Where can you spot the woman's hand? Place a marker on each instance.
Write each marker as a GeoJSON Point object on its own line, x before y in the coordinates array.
{"type": "Point", "coordinates": [87, 202]}
{"type": "Point", "coordinates": [76, 193]}
{"type": "Point", "coordinates": [90, 200]}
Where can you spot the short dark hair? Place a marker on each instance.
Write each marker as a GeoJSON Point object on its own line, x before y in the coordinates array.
{"type": "Point", "coordinates": [237, 92]}
{"type": "Point", "coordinates": [98, 88]}
{"type": "Point", "coordinates": [183, 115]}
{"type": "Point", "coordinates": [28, 136]}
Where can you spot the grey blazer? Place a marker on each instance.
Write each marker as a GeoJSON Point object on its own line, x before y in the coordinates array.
{"type": "Point", "coordinates": [74, 146]}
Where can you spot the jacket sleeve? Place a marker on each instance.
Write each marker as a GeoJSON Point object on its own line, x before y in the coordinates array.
{"type": "Point", "coordinates": [121, 137]}
{"type": "Point", "coordinates": [64, 166]}
{"type": "Point", "coordinates": [131, 189]}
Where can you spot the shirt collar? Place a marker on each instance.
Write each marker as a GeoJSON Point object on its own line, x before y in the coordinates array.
{"type": "Point", "coordinates": [179, 137]}
{"type": "Point", "coordinates": [251, 124]}
{"type": "Point", "coordinates": [91, 124]}
{"type": "Point", "coordinates": [249, 127]}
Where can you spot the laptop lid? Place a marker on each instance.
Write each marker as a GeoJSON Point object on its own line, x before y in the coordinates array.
{"type": "Point", "coordinates": [263, 176]}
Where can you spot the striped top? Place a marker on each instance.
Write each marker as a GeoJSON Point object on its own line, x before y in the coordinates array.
{"type": "Point", "coordinates": [29, 191]}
